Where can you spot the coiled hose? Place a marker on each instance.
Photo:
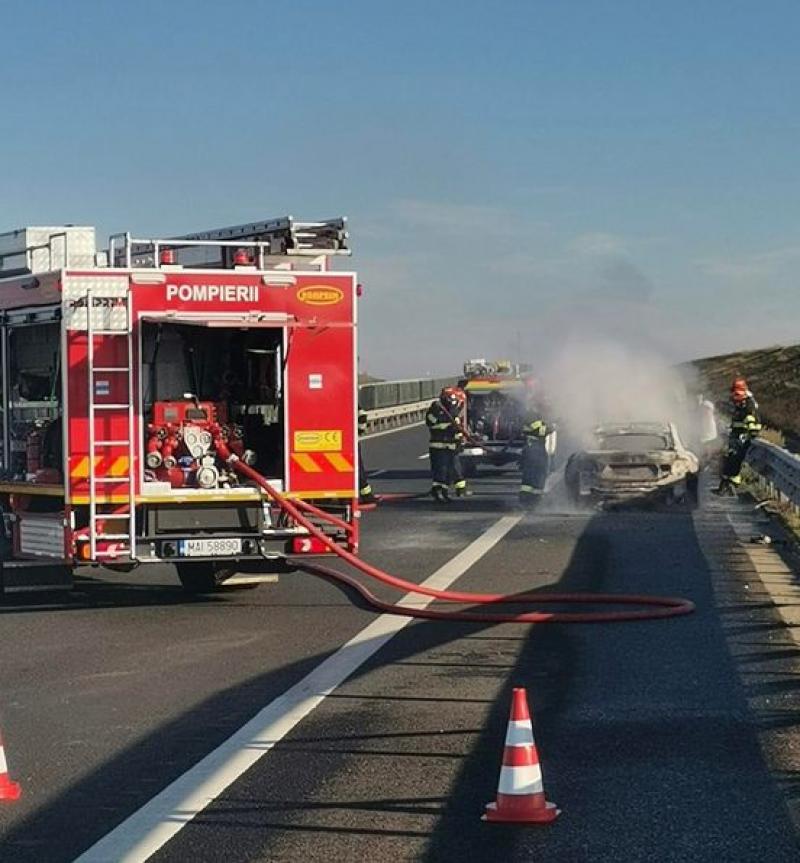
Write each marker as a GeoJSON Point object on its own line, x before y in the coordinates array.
{"type": "Point", "coordinates": [657, 607]}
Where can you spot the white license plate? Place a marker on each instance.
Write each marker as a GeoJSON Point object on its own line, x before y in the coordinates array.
{"type": "Point", "coordinates": [210, 547]}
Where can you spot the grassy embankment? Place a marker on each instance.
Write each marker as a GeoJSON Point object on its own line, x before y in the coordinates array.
{"type": "Point", "coordinates": [773, 375]}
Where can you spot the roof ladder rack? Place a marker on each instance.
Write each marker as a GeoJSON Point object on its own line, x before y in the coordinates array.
{"type": "Point", "coordinates": [216, 247]}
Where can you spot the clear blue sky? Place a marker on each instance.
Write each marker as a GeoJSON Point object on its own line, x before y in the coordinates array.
{"type": "Point", "coordinates": [512, 171]}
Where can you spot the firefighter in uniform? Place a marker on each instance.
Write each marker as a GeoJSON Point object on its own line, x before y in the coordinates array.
{"type": "Point", "coordinates": [365, 493]}
{"type": "Point", "coordinates": [745, 427]}
{"type": "Point", "coordinates": [535, 461]}
{"type": "Point", "coordinates": [446, 439]}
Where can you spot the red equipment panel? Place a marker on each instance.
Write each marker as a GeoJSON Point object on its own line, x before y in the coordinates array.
{"type": "Point", "coordinates": [316, 312]}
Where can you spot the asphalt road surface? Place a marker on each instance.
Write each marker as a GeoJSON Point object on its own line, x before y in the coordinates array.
{"type": "Point", "coordinates": [317, 730]}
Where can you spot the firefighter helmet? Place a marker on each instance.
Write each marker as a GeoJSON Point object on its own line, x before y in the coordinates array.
{"type": "Point", "coordinates": [452, 397]}
{"type": "Point", "coordinates": [739, 389]}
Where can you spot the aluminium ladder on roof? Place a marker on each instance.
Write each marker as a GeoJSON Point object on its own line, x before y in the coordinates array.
{"type": "Point", "coordinates": [285, 236]}
{"type": "Point", "coordinates": [116, 324]}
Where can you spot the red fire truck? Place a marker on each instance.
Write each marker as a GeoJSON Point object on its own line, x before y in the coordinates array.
{"type": "Point", "coordinates": [123, 371]}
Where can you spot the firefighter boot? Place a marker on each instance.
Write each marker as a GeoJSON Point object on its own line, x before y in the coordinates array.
{"type": "Point", "coordinates": [461, 489]}
{"type": "Point", "coordinates": [366, 495]}
{"type": "Point", "coordinates": [439, 493]}
{"type": "Point", "coordinates": [726, 488]}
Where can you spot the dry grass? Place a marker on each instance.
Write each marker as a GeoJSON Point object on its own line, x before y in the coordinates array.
{"type": "Point", "coordinates": [773, 436]}
{"type": "Point", "coordinates": [773, 375]}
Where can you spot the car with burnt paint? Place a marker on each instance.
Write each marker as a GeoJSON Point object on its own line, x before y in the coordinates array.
{"type": "Point", "coordinates": [632, 463]}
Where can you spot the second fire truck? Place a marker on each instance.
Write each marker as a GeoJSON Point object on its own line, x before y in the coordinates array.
{"type": "Point", "coordinates": [497, 394]}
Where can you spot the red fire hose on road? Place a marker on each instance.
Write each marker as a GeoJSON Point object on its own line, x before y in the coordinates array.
{"type": "Point", "coordinates": [657, 606]}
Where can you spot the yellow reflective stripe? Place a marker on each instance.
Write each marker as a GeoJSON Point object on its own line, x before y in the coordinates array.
{"type": "Point", "coordinates": [81, 469]}
{"type": "Point", "coordinates": [462, 483]}
{"type": "Point", "coordinates": [438, 445]}
{"type": "Point", "coordinates": [338, 462]}
{"type": "Point", "coordinates": [306, 462]}
{"type": "Point", "coordinates": [119, 467]}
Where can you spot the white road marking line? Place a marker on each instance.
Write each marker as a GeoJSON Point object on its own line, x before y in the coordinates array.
{"type": "Point", "coordinates": [374, 473]}
{"type": "Point", "coordinates": [392, 431]}
{"type": "Point", "coordinates": [154, 824]}
{"type": "Point", "coordinates": [424, 455]}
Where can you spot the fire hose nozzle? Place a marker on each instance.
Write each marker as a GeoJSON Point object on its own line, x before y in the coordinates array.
{"type": "Point", "coordinates": [154, 459]}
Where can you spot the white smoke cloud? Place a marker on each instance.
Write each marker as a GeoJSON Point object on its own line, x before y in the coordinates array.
{"type": "Point", "coordinates": [590, 380]}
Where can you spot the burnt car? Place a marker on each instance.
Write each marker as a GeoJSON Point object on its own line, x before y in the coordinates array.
{"type": "Point", "coordinates": [633, 463]}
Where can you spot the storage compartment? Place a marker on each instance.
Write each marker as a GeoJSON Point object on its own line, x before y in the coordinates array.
{"type": "Point", "coordinates": [44, 249]}
{"type": "Point", "coordinates": [33, 430]}
{"type": "Point", "coordinates": [203, 385]}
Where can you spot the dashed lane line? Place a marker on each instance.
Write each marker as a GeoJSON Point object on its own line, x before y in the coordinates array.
{"type": "Point", "coordinates": [150, 827]}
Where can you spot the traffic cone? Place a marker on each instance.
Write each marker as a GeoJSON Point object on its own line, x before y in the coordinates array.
{"type": "Point", "coordinates": [9, 790]}
{"type": "Point", "coordinates": [520, 792]}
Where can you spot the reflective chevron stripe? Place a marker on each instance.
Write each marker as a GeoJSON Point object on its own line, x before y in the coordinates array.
{"type": "Point", "coordinates": [320, 461]}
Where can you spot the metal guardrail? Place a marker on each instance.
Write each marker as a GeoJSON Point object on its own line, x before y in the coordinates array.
{"type": "Point", "coordinates": [778, 472]}
{"type": "Point", "coordinates": [397, 416]}
{"type": "Point", "coordinates": [393, 404]}
{"type": "Point", "coordinates": [386, 394]}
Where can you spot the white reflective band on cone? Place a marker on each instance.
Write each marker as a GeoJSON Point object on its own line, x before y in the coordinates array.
{"type": "Point", "coordinates": [520, 780]}
{"type": "Point", "coordinates": [3, 765]}
{"type": "Point", "coordinates": [520, 733]}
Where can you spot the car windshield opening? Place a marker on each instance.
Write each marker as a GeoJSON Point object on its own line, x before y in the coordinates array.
{"type": "Point", "coordinates": [633, 442]}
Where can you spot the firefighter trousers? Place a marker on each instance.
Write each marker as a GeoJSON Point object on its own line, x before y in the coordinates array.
{"type": "Point", "coordinates": [446, 469]}
{"type": "Point", "coordinates": [364, 488]}
{"type": "Point", "coordinates": [535, 464]}
{"type": "Point", "coordinates": [734, 458]}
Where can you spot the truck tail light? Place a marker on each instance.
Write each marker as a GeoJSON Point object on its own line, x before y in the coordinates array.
{"type": "Point", "coordinates": [83, 550]}
{"type": "Point", "coordinates": [308, 545]}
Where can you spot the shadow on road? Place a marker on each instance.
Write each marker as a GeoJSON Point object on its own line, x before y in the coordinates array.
{"type": "Point", "coordinates": [644, 734]}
